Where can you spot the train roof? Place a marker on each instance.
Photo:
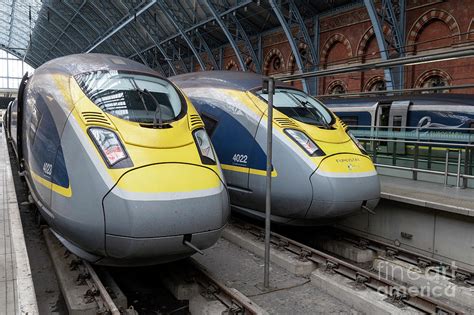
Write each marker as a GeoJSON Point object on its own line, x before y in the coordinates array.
{"type": "Point", "coordinates": [82, 63]}
{"type": "Point", "coordinates": [233, 80]}
{"type": "Point", "coordinates": [419, 99]}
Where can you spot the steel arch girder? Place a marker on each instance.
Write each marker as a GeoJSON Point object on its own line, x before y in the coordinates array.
{"type": "Point", "coordinates": [231, 38]}
{"type": "Point", "coordinates": [248, 43]}
{"type": "Point", "coordinates": [195, 26]}
{"type": "Point", "coordinates": [295, 17]}
{"type": "Point", "coordinates": [173, 20]}
{"type": "Point", "coordinates": [195, 35]}
{"type": "Point", "coordinates": [158, 46]}
{"type": "Point", "coordinates": [140, 9]}
{"type": "Point", "coordinates": [397, 40]}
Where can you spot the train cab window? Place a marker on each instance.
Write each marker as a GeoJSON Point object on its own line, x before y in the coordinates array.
{"type": "Point", "coordinates": [210, 124]}
{"type": "Point", "coordinates": [131, 96]}
{"type": "Point", "coordinates": [300, 106]}
{"type": "Point", "coordinates": [35, 120]}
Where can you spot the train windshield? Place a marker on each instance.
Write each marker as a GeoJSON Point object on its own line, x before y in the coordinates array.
{"type": "Point", "coordinates": [300, 106]}
{"type": "Point", "coordinates": [131, 96]}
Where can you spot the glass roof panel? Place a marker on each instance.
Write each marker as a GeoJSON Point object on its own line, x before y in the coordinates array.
{"type": "Point", "coordinates": [16, 25]}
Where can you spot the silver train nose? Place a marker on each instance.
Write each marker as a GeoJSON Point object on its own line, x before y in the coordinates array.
{"type": "Point", "coordinates": [140, 226]}
{"type": "Point", "coordinates": [341, 194]}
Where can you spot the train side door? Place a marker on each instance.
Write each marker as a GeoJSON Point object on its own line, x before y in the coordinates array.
{"type": "Point", "coordinates": [20, 114]}
{"type": "Point", "coordinates": [392, 117]}
{"type": "Point", "coordinates": [398, 120]}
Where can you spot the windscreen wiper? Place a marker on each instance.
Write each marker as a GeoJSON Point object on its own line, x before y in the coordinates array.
{"type": "Point", "coordinates": [140, 94]}
{"type": "Point", "coordinates": [321, 117]}
{"type": "Point", "coordinates": [305, 105]}
{"type": "Point", "coordinates": [157, 110]}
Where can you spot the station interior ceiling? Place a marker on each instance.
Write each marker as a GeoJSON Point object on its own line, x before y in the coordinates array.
{"type": "Point", "coordinates": [155, 32]}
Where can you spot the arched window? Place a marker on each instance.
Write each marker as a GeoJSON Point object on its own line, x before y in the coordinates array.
{"type": "Point", "coordinates": [337, 89]}
{"type": "Point", "coordinates": [435, 81]}
{"type": "Point", "coordinates": [434, 78]}
{"type": "Point", "coordinates": [273, 62]}
{"type": "Point", "coordinates": [376, 84]}
{"type": "Point", "coordinates": [276, 63]}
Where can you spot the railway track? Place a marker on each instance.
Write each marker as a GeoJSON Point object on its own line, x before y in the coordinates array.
{"type": "Point", "coordinates": [458, 275]}
{"type": "Point", "coordinates": [397, 293]}
{"type": "Point", "coordinates": [85, 291]}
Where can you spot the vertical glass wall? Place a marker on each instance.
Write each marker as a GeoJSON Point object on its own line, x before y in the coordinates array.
{"type": "Point", "coordinates": [12, 70]}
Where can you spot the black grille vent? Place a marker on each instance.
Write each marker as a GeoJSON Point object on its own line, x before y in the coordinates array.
{"type": "Point", "coordinates": [286, 123]}
{"type": "Point", "coordinates": [195, 121]}
{"type": "Point", "coordinates": [95, 118]}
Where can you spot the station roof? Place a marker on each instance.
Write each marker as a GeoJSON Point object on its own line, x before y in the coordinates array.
{"type": "Point", "coordinates": [41, 30]}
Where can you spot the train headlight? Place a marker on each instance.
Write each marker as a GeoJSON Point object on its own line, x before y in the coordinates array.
{"type": "Point", "coordinates": [205, 147]}
{"type": "Point", "coordinates": [357, 142]}
{"type": "Point", "coordinates": [305, 142]}
{"type": "Point", "coordinates": [108, 144]}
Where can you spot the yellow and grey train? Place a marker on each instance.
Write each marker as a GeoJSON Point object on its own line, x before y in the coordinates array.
{"type": "Point", "coordinates": [117, 160]}
{"type": "Point", "coordinates": [320, 171]}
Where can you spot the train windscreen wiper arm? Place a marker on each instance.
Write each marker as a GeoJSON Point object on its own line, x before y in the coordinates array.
{"type": "Point", "coordinates": [157, 110]}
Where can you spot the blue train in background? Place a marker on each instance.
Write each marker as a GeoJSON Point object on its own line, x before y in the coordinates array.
{"type": "Point", "coordinates": [433, 111]}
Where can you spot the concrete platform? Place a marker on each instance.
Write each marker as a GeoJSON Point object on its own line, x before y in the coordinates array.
{"type": "Point", "coordinates": [17, 293]}
{"type": "Point", "coordinates": [426, 194]}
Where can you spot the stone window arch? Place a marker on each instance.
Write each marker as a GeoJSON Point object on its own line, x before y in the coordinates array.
{"type": "Point", "coordinates": [376, 83]}
{"type": "Point", "coordinates": [232, 65]}
{"type": "Point", "coordinates": [273, 62]}
{"type": "Point", "coordinates": [336, 87]}
{"type": "Point", "coordinates": [434, 78]}
{"type": "Point", "coordinates": [425, 19]}
{"type": "Point", "coordinates": [330, 43]}
{"type": "Point", "coordinates": [367, 38]}
{"type": "Point", "coordinates": [291, 64]}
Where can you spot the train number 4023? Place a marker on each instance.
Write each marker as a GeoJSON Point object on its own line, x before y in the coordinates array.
{"type": "Point", "coordinates": [47, 168]}
{"type": "Point", "coordinates": [240, 158]}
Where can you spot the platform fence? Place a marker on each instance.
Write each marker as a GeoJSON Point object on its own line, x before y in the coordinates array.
{"type": "Point", "coordinates": [439, 154]}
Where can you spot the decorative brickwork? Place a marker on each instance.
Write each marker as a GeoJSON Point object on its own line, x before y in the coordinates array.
{"type": "Point", "coordinates": [269, 60]}
{"type": "Point", "coordinates": [432, 73]}
{"type": "Point", "coordinates": [425, 19]}
{"type": "Point", "coordinates": [330, 42]}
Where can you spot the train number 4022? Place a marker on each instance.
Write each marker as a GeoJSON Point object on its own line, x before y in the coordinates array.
{"type": "Point", "coordinates": [240, 158]}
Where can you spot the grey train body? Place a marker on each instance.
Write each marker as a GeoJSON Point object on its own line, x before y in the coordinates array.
{"type": "Point", "coordinates": [300, 195]}
{"type": "Point", "coordinates": [81, 203]}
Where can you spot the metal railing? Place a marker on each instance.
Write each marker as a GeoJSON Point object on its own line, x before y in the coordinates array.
{"type": "Point", "coordinates": [397, 141]}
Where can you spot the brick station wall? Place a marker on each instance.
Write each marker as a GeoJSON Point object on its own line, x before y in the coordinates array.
{"type": "Point", "coordinates": [348, 38]}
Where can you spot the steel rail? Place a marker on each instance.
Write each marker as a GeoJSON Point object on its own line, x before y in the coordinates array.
{"type": "Point", "coordinates": [426, 143]}
{"type": "Point", "coordinates": [421, 170]}
{"type": "Point", "coordinates": [363, 278]}
{"type": "Point", "coordinates": [112, 308]}
{"type": "Point", "coordinates": [228, 296]}
{"type": "Point", "coordinates": [459, 274]}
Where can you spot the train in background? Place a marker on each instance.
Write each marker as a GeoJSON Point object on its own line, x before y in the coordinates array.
{"type": "Point", "coordinates": [117, 160]}
{"type": "Point", "coordinates": [320, 172]}
{"type": "Point", "coordinates": [433, 111]}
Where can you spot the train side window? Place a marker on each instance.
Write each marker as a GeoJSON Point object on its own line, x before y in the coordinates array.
{"type": "Point", "coordinates": [397, 122]}
{"type": "Point", "coordinates": [350, 120]}
{"type": "Point", "coordinates": [472, 127]}
{"type": "Point", "coordinates": [210, 124]}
